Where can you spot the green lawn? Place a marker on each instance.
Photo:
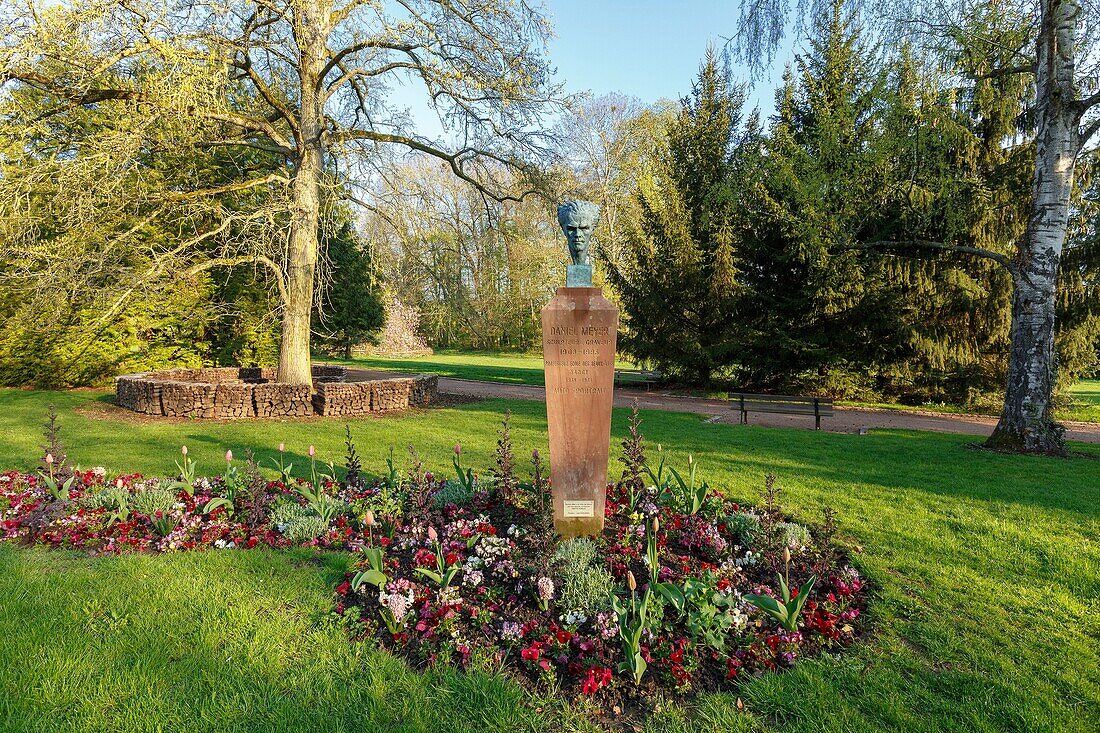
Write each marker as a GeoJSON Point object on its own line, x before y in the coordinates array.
{"type": "Point", "coordinates": [1083, 404]}
{"type": "Point", "coordinates": [985, 612]}
{"type": "Point", "coordinates": [507, 367]}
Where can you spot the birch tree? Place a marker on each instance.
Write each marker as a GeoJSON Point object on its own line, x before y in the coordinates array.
{"type": "Point", "coordinates": [306, 81]}
{"type": "Point", "coordinates": [1060, 54]}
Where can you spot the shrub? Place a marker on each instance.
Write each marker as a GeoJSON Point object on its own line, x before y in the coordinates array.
{"type": "Point", "coordinates": [453, 492]}
{"type": "Point", "coordinates": [305, 528]}
{"type": "Point", "coordinates": [584, 588]}
{"type": "Point", "coordinates": [110, 498]}
{"type": "Point", "coordinates": [151, 501]}
{"type": "Point", "coordinates": [744, 525]}
{"type": "Point", "coordinates": [792, 535]}
{"type": "Point", "coordinates": [287, 512]}
{"type": "Point", "coordinates": [577, 551]}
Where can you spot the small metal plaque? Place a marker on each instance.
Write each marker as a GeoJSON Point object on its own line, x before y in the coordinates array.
{"type": "Point", "coordinates": [579, 509]}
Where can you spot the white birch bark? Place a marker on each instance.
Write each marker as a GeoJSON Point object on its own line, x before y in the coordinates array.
{"type": "Point", "coordinates": [1026, 422]}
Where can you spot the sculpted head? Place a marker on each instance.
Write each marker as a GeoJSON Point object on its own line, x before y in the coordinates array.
{"type": "Point", "coordinates": [578, 220]}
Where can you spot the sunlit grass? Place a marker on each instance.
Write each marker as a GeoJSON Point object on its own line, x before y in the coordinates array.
{"type": "Point", "coordinates": [1082, 405]}
{"type": "Point", "coordinates": [985, 567]}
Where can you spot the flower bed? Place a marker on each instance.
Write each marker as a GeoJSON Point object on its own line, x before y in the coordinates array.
{"type": "Point", "coordinates": [684, 591]}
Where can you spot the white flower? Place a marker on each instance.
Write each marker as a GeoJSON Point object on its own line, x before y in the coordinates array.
{"type": "Point", "coordinates": [574, 618]}
{"type": "Point", "coordinates": [473, 578]}
{"type": "Point", "coordinates": [546, 588]}
{"type": "Point", "coordinates": [397, 604]}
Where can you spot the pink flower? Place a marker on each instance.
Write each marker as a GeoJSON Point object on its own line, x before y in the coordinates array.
{"type": "Point", "coordinates": [183, 449]}
{"type": "Point", "coordinates": [49, 458]}
{"type": "Point", "coordinates": [229, 456]}
{"type": "Point", "coordinates": [312, 451]}
{"type": "Point", "coordinates": [458, 449]}
{"type": "Point", "coordinates": [433, 536]}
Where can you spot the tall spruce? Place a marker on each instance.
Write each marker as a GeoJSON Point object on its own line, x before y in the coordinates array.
{"type": "Point", "coordinates": [676, 271]}
{"type": "Point", "coordinates": [821, 314]}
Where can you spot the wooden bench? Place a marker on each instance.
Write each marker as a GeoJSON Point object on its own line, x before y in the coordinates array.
{"type": "Point", "coordinates": [819, 407]}
{"type": "Point", "coordinates": [649, 378]}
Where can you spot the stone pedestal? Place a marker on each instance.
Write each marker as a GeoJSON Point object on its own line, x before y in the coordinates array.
{"type": "Point", "coordinates": [579, 327]}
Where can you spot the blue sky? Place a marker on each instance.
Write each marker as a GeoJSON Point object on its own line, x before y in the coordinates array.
{"type": "Point", "coordinates": [649, 49]}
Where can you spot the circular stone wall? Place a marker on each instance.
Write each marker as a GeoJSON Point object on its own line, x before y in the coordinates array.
{"type": "Point", "coordinates": [232, 392]}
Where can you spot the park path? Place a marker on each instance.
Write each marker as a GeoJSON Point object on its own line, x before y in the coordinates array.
{"type": "Point", "coordinates": [844, 420]}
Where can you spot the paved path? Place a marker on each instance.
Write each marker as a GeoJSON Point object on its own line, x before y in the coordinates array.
{"type": "Point", "coordinates": [844, 420]}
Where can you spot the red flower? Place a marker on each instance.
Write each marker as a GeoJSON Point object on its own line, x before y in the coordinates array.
{"type": "Point", "coordinates": [531, 653]}
{"type": "Point", "coordinates": [564, 637]}
{"type": "Point", "coordinates": [596, 678]}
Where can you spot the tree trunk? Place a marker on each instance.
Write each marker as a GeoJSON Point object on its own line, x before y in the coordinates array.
{"type": "Point", "coordinates": [301, 262]}
{"type": "Point", "coordinates": [1026, 422]}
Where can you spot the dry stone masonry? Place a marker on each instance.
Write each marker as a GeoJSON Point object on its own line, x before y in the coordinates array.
{"type": "Point", "coordinates": [231, 392]}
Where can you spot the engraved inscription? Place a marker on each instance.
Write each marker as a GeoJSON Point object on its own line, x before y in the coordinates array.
{"type": "Point", "coordinates": [581, 350]}
{"type": "Point", "coordinates": [578, 509]}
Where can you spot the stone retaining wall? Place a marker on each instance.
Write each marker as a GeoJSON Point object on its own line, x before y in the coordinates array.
{"type": "Point", "coordinates": [383, 395]}
{"type": "Point", "coordinates": [231, 392]}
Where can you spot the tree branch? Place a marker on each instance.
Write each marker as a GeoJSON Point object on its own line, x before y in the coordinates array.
{"type": "Point", "coordinates": [249, 123]}
{"type": "Point", "coordinates": [1088, 103]}
{"type": "Point", "coordinates": [230, 188]}
{"type": "Point", "coordinates": [455, 160]}
{"type": "Point", "coordinates": [997, 257]}
{"type": "Point", "coordinates": [241, 260]}
{"type": "Point", "coordinates": [363, 46]}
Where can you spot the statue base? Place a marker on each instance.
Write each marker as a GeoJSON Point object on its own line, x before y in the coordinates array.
{"type": "Point", "coordinates": [578, 276]}
{"type": "Point", "coordinates": [579, 327]}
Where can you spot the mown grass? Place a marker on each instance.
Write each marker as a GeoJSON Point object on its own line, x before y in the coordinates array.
{"type": "Point", "coordinates": [1082, 404]}
{"type": "Point", "coordinates": [984, 617]}
{"type": "Point", "coordinates": [491, 366]}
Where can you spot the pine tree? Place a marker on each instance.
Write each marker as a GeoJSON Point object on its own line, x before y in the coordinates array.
{"type": "Point", "coordinates": [677, 270]}
{"type": "Point", "coordinates": [352, 309]}
{"type": "Point", "coordinates": [820, 310]}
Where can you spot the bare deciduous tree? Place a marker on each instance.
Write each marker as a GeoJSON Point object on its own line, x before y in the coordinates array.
{"type": "Point", "coordinates": [307, 82]}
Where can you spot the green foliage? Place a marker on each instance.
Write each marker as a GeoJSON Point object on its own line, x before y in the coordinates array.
{"type": "Point", "coordinates": [164, 524]}
{"type": "Point", "coordinates": [674, 491]}
{"type": "Point", "coordinates": [444, 573]}
{"type": "Point", "coordinates": [305, 528]}
{"type": "Point", "coordinates": [375, 574]}
{"type": "Point", "coordinates": [353, 467]}
{"type": "Point", "coordinates": [676, 274]}
{"type": "Point", "coordinates": [633, 619]}
{"type": "Point", "coordinates": [152, 500]}
{"type": "Point", "coordinates": [351, 310]}
{"type": "Point", "coordinates": [58, 489]}
{"type": "Point", "coordinates": [792, 535]}
{"type": "Point", "coordinates": [452, 492]}
{"type": "Point", "coordinates": [745, 525]}
{"type": "Point", "coordinates": [711, 614]}
{"type": "Point", "coordinates": [465, 478]}
{"type": "Point", "coordinates": [583, 586]}
{"type": "Point", "coordinates": [286, 512]}
{"type": "Point", "coordinates": [784, 610]}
